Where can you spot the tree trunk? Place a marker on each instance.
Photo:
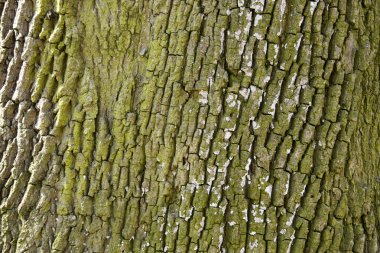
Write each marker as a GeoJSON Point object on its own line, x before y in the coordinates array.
{"type": "Point", "coordinates": [189, 126]}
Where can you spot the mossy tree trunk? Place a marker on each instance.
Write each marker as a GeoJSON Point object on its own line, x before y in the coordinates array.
{"type": "Point", "coordinates": [189, 126]}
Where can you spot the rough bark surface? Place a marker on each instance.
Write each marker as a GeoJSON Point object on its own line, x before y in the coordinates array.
{"type": "Point", "coordinates": [189, 126]}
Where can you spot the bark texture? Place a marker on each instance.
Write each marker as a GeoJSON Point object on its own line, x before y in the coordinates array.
{"type": "Point", "coordinates": [189, 126]}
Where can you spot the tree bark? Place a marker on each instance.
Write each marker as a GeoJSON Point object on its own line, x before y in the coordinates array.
{"type": "Point", "coordinates": [189, 126]}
